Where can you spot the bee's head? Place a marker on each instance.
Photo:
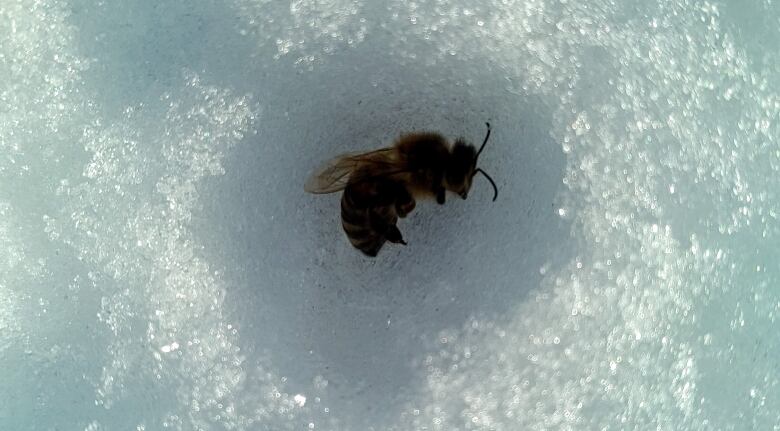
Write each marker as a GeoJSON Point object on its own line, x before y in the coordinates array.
{"type": "Point", "coordinates": [462, 167]}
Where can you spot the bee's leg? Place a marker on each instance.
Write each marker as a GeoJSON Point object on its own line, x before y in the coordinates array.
{"type": "Point", "coordinates": [394, 235]}
{"type": "Point", "coordinates": [439, 192]}
{"type": "Point", "coordinates": [405, 203]}
{"type": "Point", "coordinates": [385, 225]}
{"type": "Point", "coordinates": [437, 187]}
{"type": "Point", "coordinates": [405, 208]}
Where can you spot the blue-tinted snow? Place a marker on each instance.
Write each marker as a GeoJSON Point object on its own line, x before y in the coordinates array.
{"type": "Point", "coordinates": [164, 270]}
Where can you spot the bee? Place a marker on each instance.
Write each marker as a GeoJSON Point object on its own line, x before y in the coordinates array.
{"type": "Point", "coordinates": [383, 185]}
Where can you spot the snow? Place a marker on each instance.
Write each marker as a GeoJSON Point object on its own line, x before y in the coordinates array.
{"type": "Point", "coordinates": [163, 268]}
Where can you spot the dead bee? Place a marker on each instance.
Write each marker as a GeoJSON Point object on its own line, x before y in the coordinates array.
{"type": "Point", "coordinates": [382, 185]}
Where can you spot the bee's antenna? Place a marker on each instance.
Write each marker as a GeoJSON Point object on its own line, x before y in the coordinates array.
{"type": "Point", "coordinates": [483, 142]}
{"type": "Point", "coordinates": [495, 189]}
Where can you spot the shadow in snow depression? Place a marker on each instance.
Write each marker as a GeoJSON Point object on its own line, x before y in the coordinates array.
{"type": "Point", "coordinates": [315, 305]}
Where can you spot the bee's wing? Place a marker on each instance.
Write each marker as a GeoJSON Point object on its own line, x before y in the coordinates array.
{"type": "Point", "coordinates": [333, 175]}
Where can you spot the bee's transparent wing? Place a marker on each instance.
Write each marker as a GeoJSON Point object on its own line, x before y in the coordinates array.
{"type": "Point", "coordinates": [333, 175]}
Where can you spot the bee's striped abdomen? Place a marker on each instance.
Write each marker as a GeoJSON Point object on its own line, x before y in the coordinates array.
{"type": "Point", "coordinates": [366, 208]}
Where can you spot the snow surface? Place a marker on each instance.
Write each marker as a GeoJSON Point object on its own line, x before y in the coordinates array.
{"type": "Point", "coordinates": [163, 269]}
